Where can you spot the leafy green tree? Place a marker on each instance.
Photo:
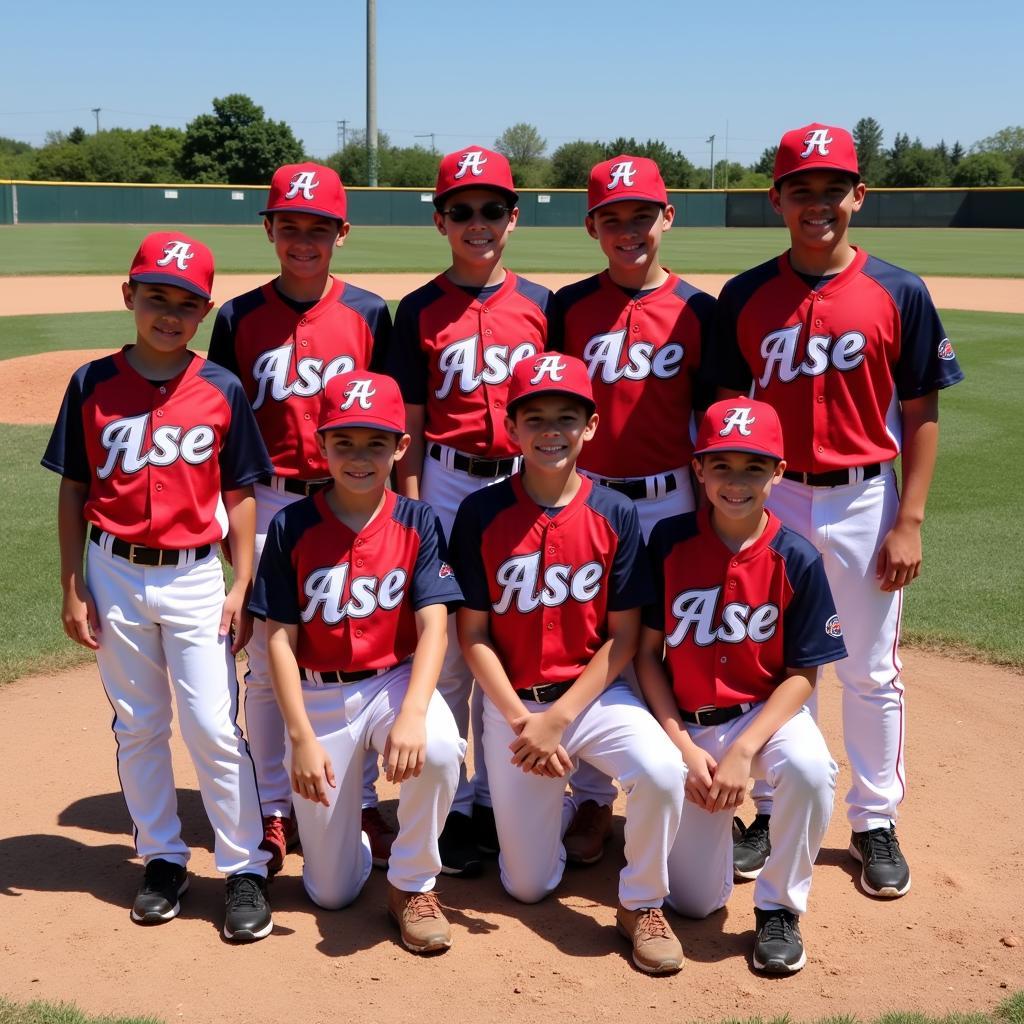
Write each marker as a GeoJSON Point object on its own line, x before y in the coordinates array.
{"type": "Point", "coordinates": [983, 169]}
{"type": "Point", "coordinates": [913, 165]}
{"type": "Point", "coordinates": [17, 159]}
{"type": "Point", "coordinates": [956, 154]}
{"type": "Point", "coordinates": [76, 135]}
{"type": "Point", "coordinates": [237, 143]}
{"type": "Point", "coordinates": [867, 138]}
{"type": "Point", "coordinates": [677, 171]}
{"type": "Point", "coordinates": [766, 162]}
{"type": "Point", "coordinates": [119, 154]}
{"type": "Point", "coordinates": [412, 167]}
{"type": "Point", "coordinates": [1007, 141]}
{"type": "Point", "coordinates": [524, 147]}
{"type": "Point", "coordinates": [571, 163]}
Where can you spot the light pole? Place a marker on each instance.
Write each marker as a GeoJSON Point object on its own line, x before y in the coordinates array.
{"type": "Point", "coordinates": [96, 112]}
{"type": "Point", "coordinates": [428, 135]}
{"type": "Point", "coordinates": [712, 141]}
{"type": "Point", "coordinates": [371, 93]}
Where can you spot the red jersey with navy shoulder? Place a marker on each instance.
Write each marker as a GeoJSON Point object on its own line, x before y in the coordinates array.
{"type": "Point", "coordinates": [734, 622]}
{"type": "Point", "coordinates": [285, 357]}
{"type": "Point", "coordinates": [549, 577]}
{"type": "Point", "coordinates": [354, 596]}
{"type": "Point", "coordinates": [643, 352]}
{"type": "Point", "coordinates": [156, 456]}
{"type": "Point", "coordinates": [836, 360]}
{"type": "Point", "coordinates": [453, 354]}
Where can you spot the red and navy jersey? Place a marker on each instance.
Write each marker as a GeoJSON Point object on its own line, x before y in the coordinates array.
{"type": "Point", "coordinates": [353, 596]}
{"type": "Point", "coordinates": [549, 577]}
{"type": "Point", "coordinates": [734, 622]}
{"type": "Point", "coordinates": [643, 352]}
{"type": "Point", "coordinates": [156, 456]}
{"type": "Point", "coordinates": [285, 357]}
{"type": "Point", "coordinates": [836, 360]}
{"type": "Point", "coordinates": [453, 354]}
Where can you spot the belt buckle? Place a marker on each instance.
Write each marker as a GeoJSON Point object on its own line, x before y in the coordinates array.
{"type": "Point", "coordinates": [131, 553]}
{"type": "Point", "coordinates": [701, 711]}
{"type": "Point", "coordinates": [487, 474]}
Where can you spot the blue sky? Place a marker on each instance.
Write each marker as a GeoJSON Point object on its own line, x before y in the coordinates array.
{"type": "Point", "coordinates": [677, 71]}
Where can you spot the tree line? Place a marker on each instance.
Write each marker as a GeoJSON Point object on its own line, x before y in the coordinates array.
{"type": "Point", "coordinates": [238, 144]}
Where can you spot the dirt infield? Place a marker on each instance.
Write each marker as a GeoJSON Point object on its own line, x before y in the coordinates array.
{"type": "Point", "coordinates": [95, 294]}
{"type": "Point", "coordinates": [68, 875]}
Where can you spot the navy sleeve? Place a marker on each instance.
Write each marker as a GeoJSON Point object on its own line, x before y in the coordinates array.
{"type": "Point", "coordinates": [275, 592]}
{"type": "Point", "coordinates": [812, 634]}
{"type": "Point", "coordinates": [653, 614]}
{"type": "Point", "coordinates": [382, 328]}
{"type": "Point", "coordinates": [556, 325]}
{"type": "Point", "coordinates": [65, 454]}
{"type": "Point", "coordinates": [406, 361]}
{"type": "Point", "coordinates": [222, 339]}
{"type": "Point", "coordinates": [243, 456]}
{"type": "Point", "coordinates": [629, 582]}
{"type": "Point", "coordinates": [722, 362]}
{"type": "Point", "coordinates": [465, 551]}
{"type": "Point", "coordinates": [926, 361]}
{"type": "Point", "coordinates": [433, 580]}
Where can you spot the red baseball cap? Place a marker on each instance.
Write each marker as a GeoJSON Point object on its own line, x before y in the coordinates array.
{"type": "Point", "coordinates": [362, 399]}
{"type": "Point", "coordinates": [166, 257]}
{"type": "Point", "coordinates": [474, 167]}
{"type": "Point", "coordinates": [625, 177]}
{"type": "Point", "coordinates": [550, 373]}
{"type": "Point", "coordinates": [740, 425]}
{"type": "Point", "coordinates": [816, 147]}
{"type": "Point", "coordinates": [307, 188]}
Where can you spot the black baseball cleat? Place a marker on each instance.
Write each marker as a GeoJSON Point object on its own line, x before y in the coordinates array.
{"type": "Point", "coordinates": [884, 869]}
{"type": "Point", "coordinates": [247, 915]}
{"type": "Point", "coordinates": [485, 830]}
{"type": "Point", "coordinates": [778, 947]}
{"type": "Point", "coordinates": [751, 850]}
{"type": "Point", "coordinates": [460, 854]}
{"type": "Point", "coordinates": [157, 898]}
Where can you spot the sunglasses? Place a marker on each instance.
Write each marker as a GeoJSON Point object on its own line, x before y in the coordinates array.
{"type": "Point", "coordinates": [491, 210]}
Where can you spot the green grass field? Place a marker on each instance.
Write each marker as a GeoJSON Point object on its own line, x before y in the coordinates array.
{"type": "Point", "coordinates": [968, 597]}
{"type": "Point", "coordinates": [108, 249]}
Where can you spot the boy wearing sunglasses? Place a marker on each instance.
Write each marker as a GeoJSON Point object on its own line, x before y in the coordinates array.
{"type": "Point", "coordinates": [453, 348]}
{"type": "Point", "coordinates": [641, 330]}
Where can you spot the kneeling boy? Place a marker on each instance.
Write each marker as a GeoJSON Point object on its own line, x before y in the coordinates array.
{"type": "Point", "coordinates": [355, 589]}
{"type": "Point", "coordinates": [729, 654]}
{"type": "Point", "coordinates": [554, 576]}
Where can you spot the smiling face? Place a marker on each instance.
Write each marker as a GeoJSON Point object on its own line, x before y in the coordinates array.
{"type": "Point", "coordinates": [551, 431]}
{"type": "Point", "coordinates": [304, 244]}
{"type": "Point", "coordinates": [166, 317]}
{"type": "Point", "coordinates": [737, 485]}
{"type": "Point", "coordinates": [816, 207]}
{"type": "Point", "coordinates": [360, 458]}
{"type": "Point", "coordinates": [477, 243]}
{"type": "Point", "coordinates": [629, 233]}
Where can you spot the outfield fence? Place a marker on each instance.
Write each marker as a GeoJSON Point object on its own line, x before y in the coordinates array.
{"type": "Point", "coordinates": [36, 202]}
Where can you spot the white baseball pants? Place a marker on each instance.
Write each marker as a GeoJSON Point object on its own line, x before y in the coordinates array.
{"type": "Point", "coordinates": [159, 621]}
{"type": "Point", "coordinates": [350, 719]}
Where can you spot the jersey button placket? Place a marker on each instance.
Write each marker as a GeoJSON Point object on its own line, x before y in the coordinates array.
{"type": "Point", "coordinates": [549, 550]}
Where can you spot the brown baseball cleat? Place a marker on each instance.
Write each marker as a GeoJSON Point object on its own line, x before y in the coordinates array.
{"type": "Point", "coordinates": [590, 829]}
{"type": "Point", "coordinates": [380, 834]}
{"type": "Point", "coordinates": [656, 950]}
{"type": "Point", "coordinates": [418, 915]}
{"type": "Point", "coordinates": [279, 836]}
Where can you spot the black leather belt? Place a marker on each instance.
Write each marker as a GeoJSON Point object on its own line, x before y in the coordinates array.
{"type": "Point", "coordinates": [138, 554]}
{"type": "Point", "coordinates": [310, 676]}
{"type": "Point", "coordinates": [304, 487]}
{"type": "Point", "coordinates": [836, 477]}
{"type": "Point", "coordinates": [544, 693]}
{"type": "Point", "coordinates": [474, 466]}
{"type": "Point", "coordinates": [714, 716]}
{"type": "Point", "coordinates": [637, 489]}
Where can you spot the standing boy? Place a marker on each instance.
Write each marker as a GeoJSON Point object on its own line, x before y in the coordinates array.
{"type": "Point", "coordinates": [147, 442]}
{"type": "Point", "coordinates": [851, 353]}
{"type": "Point", "coordinates": [285, 341]}
{"type": "Point", "coordinates": [554, 574]}
{"type": "Point", "coordinates": [455, 342]}
{"type": "Point", "coordinates": [355, 591]}
{"type": "Point", "coordinates": [729, 654]}
{"type": "Point", "coordinates": [641, 331]}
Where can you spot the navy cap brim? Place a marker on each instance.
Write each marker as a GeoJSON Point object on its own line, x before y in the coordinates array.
{"type": "Point", "coordinates": [511, 407]}
{"type": "Point", "coordinates": [177, 282]}
{"type": "Point", "coordinates": [389, 428]}
{"type": "Point", "coordinates": [751, 450]}
{"type": "Point", "coordinates": [513, 197]}
{"type": "Point", "coordinates": [627, 199]}
{"type": "Point", "coordinates": [302, 209]}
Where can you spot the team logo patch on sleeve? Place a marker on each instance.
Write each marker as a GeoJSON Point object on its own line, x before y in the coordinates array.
{"type": "Point", "coordinates": [833, 627]}
{"type": "Point", "coordinates": [946, 350]}
{"type": "Point", "coordinates": [445, 571]}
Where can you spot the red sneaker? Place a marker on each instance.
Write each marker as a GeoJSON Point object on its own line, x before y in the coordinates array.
{"type": "Point", "coordinates": [381, 835]}
{"type": "Point", "coordinates": [279, 836]}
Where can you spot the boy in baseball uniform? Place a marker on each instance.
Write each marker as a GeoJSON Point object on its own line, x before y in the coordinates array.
{"type": "Point", "coordinates": [554, 577]}
{"type": "Point", "coordinates": [285, 341]}
{"type": "Point", "coordinates": [729, 654]}
{"type": "Point", "coordinates": [851, 353]}
{"type": "Point", "coordinates": [641, 331]}
{"type": "Point", "coordinates": [355, 591]}
{"type": "Point", "coordinates": [148, 441]}
{"type": "Point", "coordinates": [455, 342]}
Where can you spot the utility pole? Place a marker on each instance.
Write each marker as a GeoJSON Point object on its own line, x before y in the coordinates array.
{"type": "Point", "coordinates": [371, 93]}
{"type": "Point", "coordinates": [712, 141]}
{"type": "Point", "coordinates": [428, 135]}
{"type": "Point", "coordinates": [342, 134]}
{"type": "Point", "coordinates": [96, 112]}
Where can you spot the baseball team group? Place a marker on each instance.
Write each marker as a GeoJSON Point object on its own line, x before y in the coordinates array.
{"type": "Point", "coordinates": [612, 533]}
